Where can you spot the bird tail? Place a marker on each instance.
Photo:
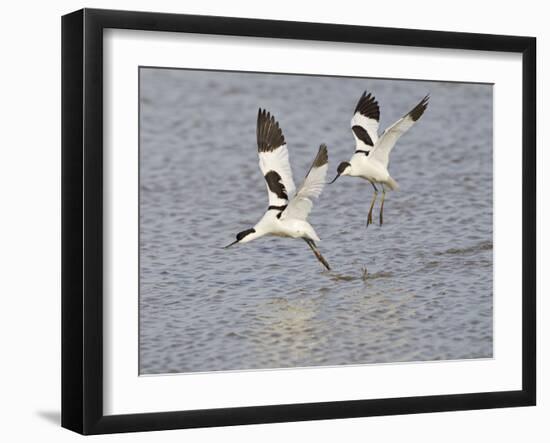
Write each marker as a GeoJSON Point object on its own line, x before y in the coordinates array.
{"type": "Point", "coordinates": [392, 184]}
{"type": "Point", "coordinates": [311, 233]}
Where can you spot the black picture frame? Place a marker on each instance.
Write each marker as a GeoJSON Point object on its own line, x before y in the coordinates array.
{"type": "Point", "coordinates": [82, 220]}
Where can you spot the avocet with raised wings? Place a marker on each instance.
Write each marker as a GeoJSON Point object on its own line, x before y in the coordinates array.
{"type": "Point", "coordinates": [287, 213]}
{"type": "Point", "coordinates": [372, 153]}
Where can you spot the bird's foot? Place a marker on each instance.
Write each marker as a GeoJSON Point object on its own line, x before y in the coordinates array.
{"type": "Point", "coordinates": [381, 219]}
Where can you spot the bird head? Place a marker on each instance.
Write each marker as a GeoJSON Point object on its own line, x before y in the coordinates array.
{"type": "Point", "coordinates": [243, 237]}
{"type": "Point", "coordinates": [344, 168]}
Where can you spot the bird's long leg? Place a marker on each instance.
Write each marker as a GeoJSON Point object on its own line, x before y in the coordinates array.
{"type": "Point", "coordinates": [313, 247]}
{"type": "Point", "coordinates": [382, 205]}
{"type": "Point", "coordinates": [369, 217]}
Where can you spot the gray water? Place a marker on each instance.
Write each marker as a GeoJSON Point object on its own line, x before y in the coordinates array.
{"type": "Point", "coordinates": [427, 290]}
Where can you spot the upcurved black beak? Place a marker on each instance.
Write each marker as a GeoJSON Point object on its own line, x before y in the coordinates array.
{"type": "Point", "coordinates": [337, 175]}
{"type": "Point", "coordinates": [231, 244]}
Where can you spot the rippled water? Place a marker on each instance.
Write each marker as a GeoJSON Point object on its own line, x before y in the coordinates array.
{"type": "Point", "coordinates": [427, 290]}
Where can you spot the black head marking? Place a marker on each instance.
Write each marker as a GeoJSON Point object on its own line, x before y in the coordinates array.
{"type": "Point", "coordinates": [368, 106]}
{"type": "Point", "coordinates": [243, 234]}
{"type": "Point", "coordinates": [342, 166]}
{"type": "Point", "coordinates": [362, 135]}
{"type": "Point", "coordinates": [275, 185]}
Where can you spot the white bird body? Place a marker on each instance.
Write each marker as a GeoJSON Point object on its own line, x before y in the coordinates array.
{"type": "Point", "coordinates": [370, 169]}
{"type": "Point", "coordinates": [371, 158]}
{"type": "Point", "coordinates": [269, 224]}
{"type": "Point", "coordinates": [285, 217]}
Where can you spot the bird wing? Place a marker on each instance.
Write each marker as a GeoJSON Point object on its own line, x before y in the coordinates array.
{"type": "Point", "coordinates": [300, 206]}
{"type": "Point", "coordinates": [364, 123]}
{"type": "Point", "coordinates": [382, 149]}
{"type": "Point", "coordinates": [274, 163]}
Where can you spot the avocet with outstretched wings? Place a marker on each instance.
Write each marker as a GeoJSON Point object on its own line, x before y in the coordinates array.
{"type": "Point", "coordinates": [287, 213]}
{"type": "Point", "coordinates": [372, 153]}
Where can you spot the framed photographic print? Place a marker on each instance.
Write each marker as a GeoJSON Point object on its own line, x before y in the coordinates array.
{"type": "Point", "coordinates": [269, 221]}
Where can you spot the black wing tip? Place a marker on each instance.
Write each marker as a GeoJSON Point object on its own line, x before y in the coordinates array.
{"type": "Point", "coordinates": [419, 109]}
{"type": "Point", "coordinates": [263, 116]}
{"type": "Point", "coordinates": [322, 156]}
{"type": "Point", "coordinates": [368, 106]}
{"type": "Point", "coordinates": [268, 132]}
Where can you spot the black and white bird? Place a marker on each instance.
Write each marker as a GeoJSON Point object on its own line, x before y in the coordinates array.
{"type": "Point", "coordinates": [372, 153]}
{"type": "Point", "coordinates": [287, 213]}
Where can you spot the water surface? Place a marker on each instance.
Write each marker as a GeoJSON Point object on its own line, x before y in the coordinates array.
{"type": "Point", "coordinates": [418, 288]}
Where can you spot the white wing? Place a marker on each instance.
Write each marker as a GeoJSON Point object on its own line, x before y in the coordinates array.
{"type": "Point", "coordinates": [274, 159]}
{"type": "Point", "coordinates": [364, 123]}
{"type": "Point", "coordinates": [382, 149]}
{"type": "Point", "coordinates": [300, 206]}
